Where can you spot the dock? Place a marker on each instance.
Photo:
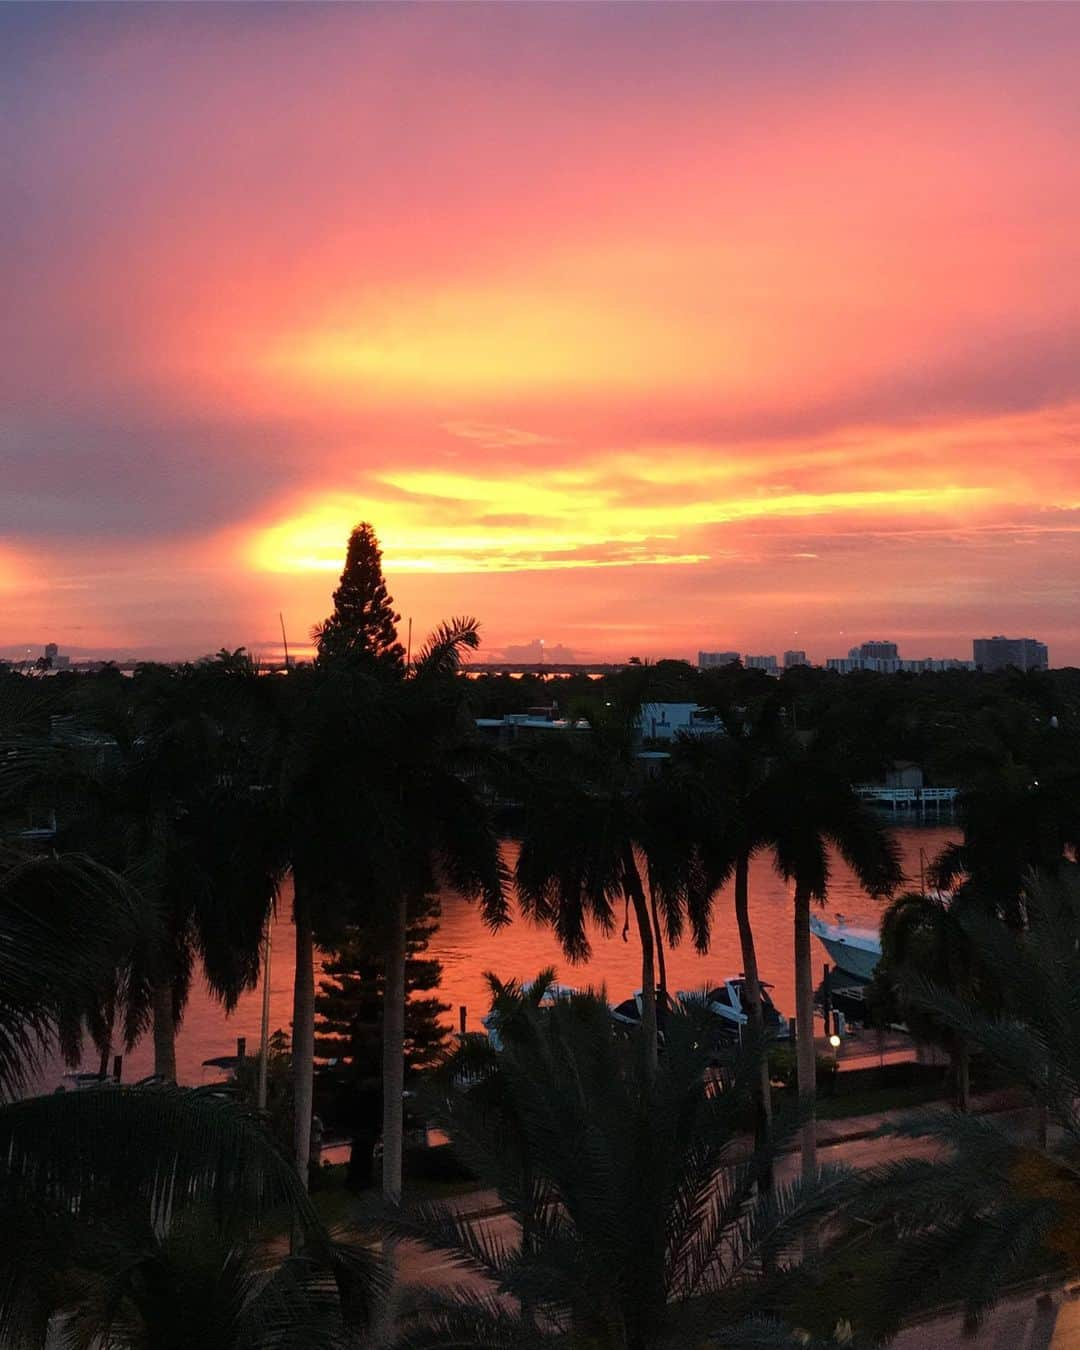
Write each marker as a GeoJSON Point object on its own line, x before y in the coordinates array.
{"type": "Point", "coordinates": [921, 800]}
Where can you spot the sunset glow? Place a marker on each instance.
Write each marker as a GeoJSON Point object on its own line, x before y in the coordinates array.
{"type": "Point", "coordinates": [641, 328]}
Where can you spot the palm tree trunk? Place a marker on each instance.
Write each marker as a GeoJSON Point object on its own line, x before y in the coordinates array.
{"type": "Point", "coordinates": [106, 1041]}
{"type": "Point", "coordinates": [805, 1055]}
{"type": "Point", "coordinates": [393, 1056]}
{"type": "Point", "coordinates": [661, 961]}
{"type": "Point", "coordinates": [164, 1031]}
{"type": "Point", "coordinates": [632, 883]}
{"type": "Point", "coordinates": [303, 1036]}
{"type": "Point", "coordinates": [752, 989]}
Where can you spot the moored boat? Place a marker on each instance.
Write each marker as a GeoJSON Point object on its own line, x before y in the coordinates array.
{"type": "Point", "coordinates": [855, 950]}
{"type": "Point", "coordinates": [628, 1012]}
{"type": "Point", "coordinates": [551, 995]}
{"type": "Point", "coordinates": [727, 1002]}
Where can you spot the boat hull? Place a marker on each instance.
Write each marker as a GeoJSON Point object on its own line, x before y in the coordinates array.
{"type": "Point", "coordinates": [856, 954]}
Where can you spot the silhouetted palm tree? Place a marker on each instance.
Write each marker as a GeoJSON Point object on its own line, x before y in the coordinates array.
{"type": "Point", "coordinates": [444, 835]}
{"type": "Point", "coordinates": [141, 1288]}
{"type": "Point", "coordinates": [639, 1227]}
{"type": "Point", "coordinates": [149, 777]}
{"type": "Point", "coordinates": [594, 831]}
{"type": "Point", "coordinates": [380, 802]}
{"type": "Point", "coordinates": [1020, 810]}
{"type": "Point", "coordinates": [994, 1204]}
{"type": "Point", "coordinates": [923, 934]}
{"type": "Point", "coordinates": [732, 820]}
{"type": "Point", "coordinates": [817, 808]}
{"type": "Point", "coordinates": [95, 1186]}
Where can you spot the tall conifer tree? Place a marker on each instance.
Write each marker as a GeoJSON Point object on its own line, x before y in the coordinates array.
{"type": "Point", "coordinates": [364, 623]}
{"type": "Point", "coordinates": [349, 1029]}
{"type": "Point", "coordinates": [360, 633]}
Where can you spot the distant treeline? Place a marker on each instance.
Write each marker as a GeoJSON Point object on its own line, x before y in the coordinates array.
{"type": "Point", "coordinates": [933, 719]}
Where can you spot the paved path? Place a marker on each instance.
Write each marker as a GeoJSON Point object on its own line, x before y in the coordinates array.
{"type": "Point", "coordinates": [1048, 1321]}
{"type": "Point", "coordinates": [1019, 1324]}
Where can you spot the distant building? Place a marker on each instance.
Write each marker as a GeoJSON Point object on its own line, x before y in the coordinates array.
{"type": "Point", "coordinates": [875, 651]}
{"type": "Point", "coordinates": [706, 660]}
{"type": "Point", "coordinates": [795, 659]}
{"type": "Point", "coordinates": [665, 721]}
{"type": "Point", "coordinates": [862, 658]}
{"type": "Point", "coordinates": [929, 664]}
{"type": "Point", "coordinates": [766, 663]}
{"type": "Point", "coordinates": [883, 659]}
{"type": "Point", "coordinates": [536, 722]}
{"type": "Point", "coordinates": [904, 774]}
{"type": "Point", "coordinates": [51, 659]}
{"type": "Point", "coordinates": [999, 653]}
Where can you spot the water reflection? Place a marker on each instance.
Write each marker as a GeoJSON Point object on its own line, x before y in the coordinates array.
{"type": "Point", "coordinates": [467, 949]}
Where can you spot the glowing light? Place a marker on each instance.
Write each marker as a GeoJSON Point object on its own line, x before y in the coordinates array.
{"type": "Point", "coordinates": [587, 516]}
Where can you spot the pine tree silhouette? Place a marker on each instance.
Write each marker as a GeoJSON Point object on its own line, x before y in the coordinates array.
{"type": "Point", "coordinates": [348, 1032]}
{"type": "Point", "coordinates": [363, 626]}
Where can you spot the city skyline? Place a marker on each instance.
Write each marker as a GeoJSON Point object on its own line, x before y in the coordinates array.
{"type": "Point", "coordinates": [996, 652]}
{"type": "Point", "coordinates": [622, 324]}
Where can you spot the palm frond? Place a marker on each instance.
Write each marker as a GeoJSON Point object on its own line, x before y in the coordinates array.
{"type": "Point", "coordinates": [443, 651]}
{"type": "Point", "coordinates": [163, 1149]}
{"type": "Point", "coordinates": [68, 924]}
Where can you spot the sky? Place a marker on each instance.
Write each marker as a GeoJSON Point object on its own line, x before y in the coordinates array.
{"type": "Point", "coordinates": [635, 328]}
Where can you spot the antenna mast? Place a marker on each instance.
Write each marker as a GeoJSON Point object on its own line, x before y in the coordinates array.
{"type": "Point", "coordinates": [284, 639]}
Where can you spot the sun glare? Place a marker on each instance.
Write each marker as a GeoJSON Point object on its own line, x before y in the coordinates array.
{"type": "Point", "coordinates": [443, 522]}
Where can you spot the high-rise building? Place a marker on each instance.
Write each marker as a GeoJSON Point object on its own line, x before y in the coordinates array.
{"type": "Point", "coordinates": [707, 659]}
{"type": "Point", "coordinates": [874, 651]}
{"type": "Point", "coordinates": [766, 663]}
{"type": "Point", "coordinates": [795, 659]}
{"type": "Point", "coordinates": [999, 653]}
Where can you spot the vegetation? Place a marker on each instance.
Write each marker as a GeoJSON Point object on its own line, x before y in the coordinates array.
{"type": "Point", "coordinates": [349, 1029]}
{"type": "Point", "coordinates": [597, 829]}
{"type": "Point", "coordinates": [815, 807]}
{"type": "Point", "coordinates": [148, 824]}
{"type": "Point", "coordinates": [1001, 1203]}
{"type": "Point", "coordinates": [103, 1191]}
{"type": "Point", "coordinates": [638, 1225]}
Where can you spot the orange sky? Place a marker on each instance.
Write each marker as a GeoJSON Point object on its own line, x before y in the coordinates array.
{"type": "Point", "coordinates": [637, 328]}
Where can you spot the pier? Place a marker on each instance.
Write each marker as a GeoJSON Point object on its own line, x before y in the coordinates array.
{"type": "Point", "coordinates": [909, 799]}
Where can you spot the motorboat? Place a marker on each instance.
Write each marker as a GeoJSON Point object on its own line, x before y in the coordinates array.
{"type": "Point", "coordinates": [83, 1082]}
{"type": "Point", "coordinates": [854, 950]}
{"type": "Point", "coordinates": [552, 994]}
{"type": "Point", "coordinates": [727, 1001]}
{"type": "Point", "coordinates": [628, 1012]}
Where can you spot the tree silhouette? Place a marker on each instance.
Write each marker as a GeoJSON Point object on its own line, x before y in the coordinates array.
{"type": "Point", "coordinates": [364, 623]}
{"type": "Point", "coordinates": [349, 1026]}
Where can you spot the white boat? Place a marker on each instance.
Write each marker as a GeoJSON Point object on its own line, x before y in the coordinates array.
{"type": "Point", "coordinates": [551, 995]}
{"type": "Point", "coordinates": [83, 1082]}
{"type": "Point", "coordinates": [727, 1001]}
{"type": "Point", "coordinates": [854, 950]}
